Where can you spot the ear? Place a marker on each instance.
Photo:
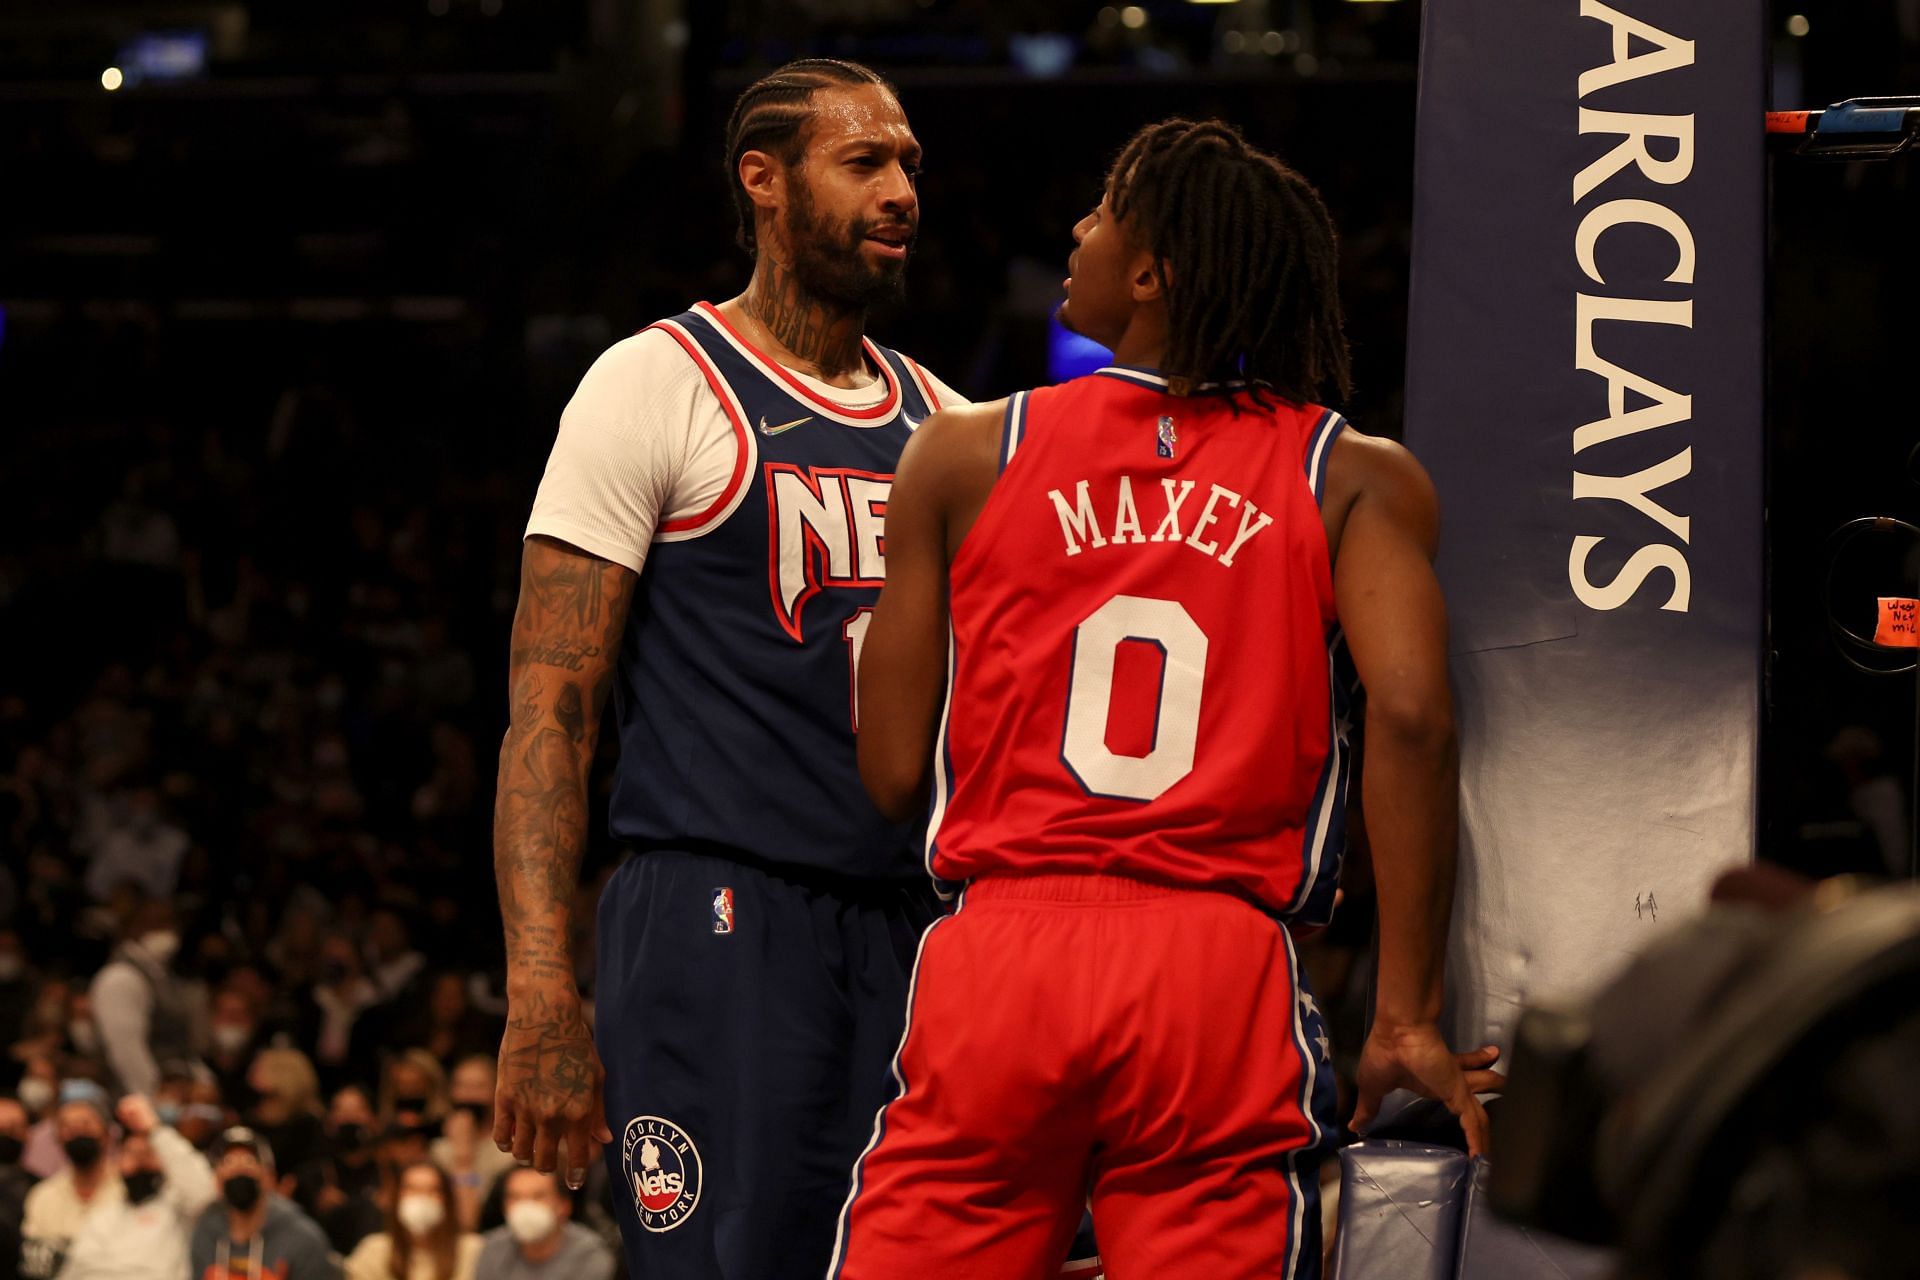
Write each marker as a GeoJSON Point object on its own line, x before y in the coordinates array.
{"type": "Point", "coordinates": [1149, 278]}
{"type": "Point", "coordinates": [764, 178]}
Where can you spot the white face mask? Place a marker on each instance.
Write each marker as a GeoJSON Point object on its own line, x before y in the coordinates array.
{"type": "Point", "coordinates": [229, 1037]}
{"type": "Point", "coordinates": [532, 1221]}
{"type": "Point", "coordinates": [36, 1095]}
{"type": "Point", "coordinates": [420, 1214]}
{"type": "Point", "coordinates": [162, 945]}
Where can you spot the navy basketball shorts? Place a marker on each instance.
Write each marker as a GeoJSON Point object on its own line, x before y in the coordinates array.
{"type": "Point", "coordinates": [747, 1022]}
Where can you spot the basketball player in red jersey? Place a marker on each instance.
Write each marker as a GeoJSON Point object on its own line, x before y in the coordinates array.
{"type": "Point", "coordinates": [1136, 751]}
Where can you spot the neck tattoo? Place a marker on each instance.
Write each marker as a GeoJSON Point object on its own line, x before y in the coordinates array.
{"type": "Point", "coordinates": [815, 331]}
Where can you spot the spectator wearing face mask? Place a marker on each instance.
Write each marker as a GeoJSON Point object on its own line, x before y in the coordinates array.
{"type": "Point", "coordinates": [414, 1094]}
{"type": "Point", "coordinates": [144, 1236]}
{"type": "Point", "coordinates": [341, 1188]}
{"type": "Point", "coordinates": [465, 1148]}
{"type": "Point", "coordinates": [540, 1242]}
{"type": "Point", "coordinates": [233, 1038]}
{"type": "Point", "coordinates": [39, 1093]}
{"type": "Point", "coordinates": [252, 1232]}
{"type": "Point", "coordinates": [344, 1039]}
{"type": "Point", "coordinates": [139, 1004]}
{"type": "Point", "coordinates": [423, 1240]}
{"type": "Point", "coordinates": [58, 1208]}
{"type": "Point", "coordinates": [15, 1182]}
{"type": "Point", "coordinates": [286, 1108]}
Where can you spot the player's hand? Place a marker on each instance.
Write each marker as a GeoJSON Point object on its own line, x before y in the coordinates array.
{"type": "Point", "coordinates": [137, 1114]}
{"type": "Point", "coordinates": [547, 1107]}
{"type": "Point", "coordinates": [1415, 1056]}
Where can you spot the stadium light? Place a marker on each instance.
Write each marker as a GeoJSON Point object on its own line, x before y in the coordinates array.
{"type": "Point", "coordinates": [111, 79]}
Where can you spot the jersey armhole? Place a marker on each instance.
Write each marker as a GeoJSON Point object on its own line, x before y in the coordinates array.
{"type": "Point", "coordinates": [1319, 450]}
{"type": "Point", "coordinates": [746, 454]}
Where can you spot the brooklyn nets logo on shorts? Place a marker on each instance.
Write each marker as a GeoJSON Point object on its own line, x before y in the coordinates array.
{"type": "Point", "coordinates": [663, 1171]}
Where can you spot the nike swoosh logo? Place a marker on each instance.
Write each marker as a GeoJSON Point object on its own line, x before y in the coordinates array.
{"type": "Point", "coordinates": [766, 430]}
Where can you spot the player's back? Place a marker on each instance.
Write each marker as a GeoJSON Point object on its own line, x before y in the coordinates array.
{"type": "Point", "coordinates": [1146, 664]}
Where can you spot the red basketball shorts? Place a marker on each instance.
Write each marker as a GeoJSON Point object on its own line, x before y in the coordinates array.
{"type": "Point", "coordinates": [1093, 1039]}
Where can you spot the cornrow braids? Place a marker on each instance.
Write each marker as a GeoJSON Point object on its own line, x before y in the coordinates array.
{"type": "Point", "coordinates": [1247, 258]}
{"type": "Point", "coordinates": [772, 114]}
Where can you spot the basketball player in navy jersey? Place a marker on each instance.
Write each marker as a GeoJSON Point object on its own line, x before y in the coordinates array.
{"type": "Point", "coordinates": [705, 547]}
{"type": "Point", "coordinates": [1109, 646]}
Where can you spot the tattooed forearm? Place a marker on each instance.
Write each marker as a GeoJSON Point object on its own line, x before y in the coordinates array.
{"type": "Point", "coordinates": [572, 608]}
{"type": "Point", "coordinates": [820, 332]}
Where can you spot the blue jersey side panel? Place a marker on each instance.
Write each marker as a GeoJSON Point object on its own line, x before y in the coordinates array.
{"type": "Point", "coordinates": [734, 691]}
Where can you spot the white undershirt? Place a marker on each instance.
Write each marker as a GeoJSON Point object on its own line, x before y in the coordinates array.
{"type": "Point", "coordinates": [644, 441]}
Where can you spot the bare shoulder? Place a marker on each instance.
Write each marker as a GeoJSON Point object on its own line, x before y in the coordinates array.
{"type": "Point", "coordinates": [1385, 474]}
{"type": "Point", "coordinates": [962, 436]}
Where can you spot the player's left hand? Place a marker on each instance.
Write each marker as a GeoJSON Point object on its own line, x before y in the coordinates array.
{"type": "Point", "coordinates": [1415, 1056]}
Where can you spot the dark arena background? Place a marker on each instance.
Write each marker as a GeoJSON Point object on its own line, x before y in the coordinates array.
{"type": "Point", "coordinates": [291, 299]}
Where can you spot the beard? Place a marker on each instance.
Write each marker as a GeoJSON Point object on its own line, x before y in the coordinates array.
{"type": "Point", "coordinates": [829, 263]}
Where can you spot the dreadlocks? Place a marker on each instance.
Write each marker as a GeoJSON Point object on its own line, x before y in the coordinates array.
{"type": "Point", "coordinates": [1246, 255]}
{"type": "Point", "coordinates": [771, 115]}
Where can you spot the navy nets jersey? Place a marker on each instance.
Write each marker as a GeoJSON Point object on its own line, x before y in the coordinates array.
{"type": "Point", "coordinates": [734, 691]}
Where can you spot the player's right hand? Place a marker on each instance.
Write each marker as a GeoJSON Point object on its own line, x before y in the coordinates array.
{"type": "Point", "coordinates": [1415, 1056]}
{"type": "Point", "coordinates": [548, 1108]}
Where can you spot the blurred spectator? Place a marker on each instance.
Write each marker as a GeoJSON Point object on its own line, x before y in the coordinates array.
{"type": "Point", "coordinates": [413, 1095]}
{"type": "Point", "coordinates": [16, 992]}
{"type": "Point", "coordinates": [15, 1182]}
{"type": "Point", "coordinates": [137, 845]}
{"type": "Point", "coordinates": [423, 1240]}
{"type": "Point", "coordinates": [39, 1092]}
{"type": "Point", "coordinates": [454, 1030]}
{"type": "Point", "coordinates": [465, 1148]}
{"type": "Point", "coordinates": [343, 1041]}
{"type": "Point", "coordinates": [540, 1240]}
{"type": "Point", "coordinates": [1873, 793]}
{"type": "Point", "coordinates": [168, 1184]}
{"type": "Point", "coordinates": [233, 1039]}
{"type": "Point", "coordinates": [45, 1033]}
{"type": "Point", "coordinates": [340, 1189]}
{"type": "Point", "coordinates": [139, 1004]}
{"type": "Point", "coordinates": [286, 1107]}
{"type": "Point", "coordinates": [396, 967]}
{"type": "Point", "coordinates": [57, 1209]}
{"type": "Point", "coordinates": [253, 1231]}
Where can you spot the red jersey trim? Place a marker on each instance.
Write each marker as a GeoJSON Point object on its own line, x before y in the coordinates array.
{"type": "Point", "coordinates": [922, 381]}
{"type": "Point", "coordinates": [876, 414]}
{"type": "Point", "coordinates": [722, 506]}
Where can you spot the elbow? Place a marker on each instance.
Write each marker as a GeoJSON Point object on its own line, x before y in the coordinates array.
{"type": "Point", "coordinates": [1422, 725]}
{"type": "Point", "coordinates": [897, 788]}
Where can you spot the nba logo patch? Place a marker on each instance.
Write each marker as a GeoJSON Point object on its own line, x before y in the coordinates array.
{"type": "Point", "coordinates": [1165, 438]}
{"type": "Point", "coordinates": [723, 910]}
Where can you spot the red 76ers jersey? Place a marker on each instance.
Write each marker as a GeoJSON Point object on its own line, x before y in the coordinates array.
{"type": "Point", "coordinates": [1147, 673]}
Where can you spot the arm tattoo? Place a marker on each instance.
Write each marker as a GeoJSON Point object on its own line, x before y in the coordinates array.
{"type": "Point", "coordinates": [572, 610]}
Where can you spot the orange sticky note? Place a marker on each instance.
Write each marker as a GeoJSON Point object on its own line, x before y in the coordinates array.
{"type": "Point", "coordinates": [1899, 623]}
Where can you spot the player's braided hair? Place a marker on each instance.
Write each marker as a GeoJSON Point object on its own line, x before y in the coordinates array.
{"type": "Point", "coordinates": [1247, 258]}
{"type": "Point", "coordinates": [771, 114]}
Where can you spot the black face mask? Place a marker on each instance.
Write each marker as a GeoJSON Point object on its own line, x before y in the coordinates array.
{"type": "Point", "coordinates": [351, 1137]}
{"type": "Point", "coordinates": [10, 1149]}
{"type": "Point", "coordinates": [143, 1185]}
{"type": "Point", "coordinates": [414, 1102]}
{"type": "Point", "coordinates": [242, 1191]}
{"type": "Point", "coordinates": [84, 1151]}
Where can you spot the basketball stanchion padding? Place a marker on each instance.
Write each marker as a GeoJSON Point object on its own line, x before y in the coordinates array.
{"type": "Point", "coordinates": [1491, 1248]}
{"type": "Point", "coordinates": [1400, 1211]}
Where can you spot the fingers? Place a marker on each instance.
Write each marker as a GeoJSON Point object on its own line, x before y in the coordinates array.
{"type": "Point", "coordinates": [1473, 1119]}
{"type": "Point", "coordinates": [1484, 1056]}
{"type": "Point", "coordinates": [1485, 1082]}
{"type": "Point", "coordinates": [1364, 1109]}
{"type": "Point", "coordinates": [546, 1144]}
{"type": "Point", "coordinates": [582, 1149]}
{"type": "Point", "coordinates": [503, 1120]}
